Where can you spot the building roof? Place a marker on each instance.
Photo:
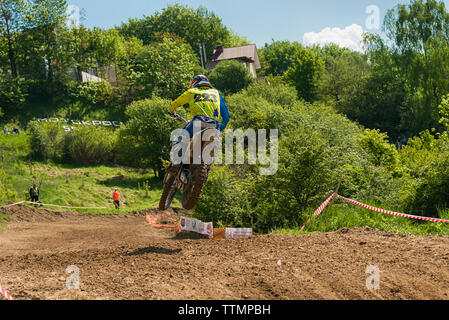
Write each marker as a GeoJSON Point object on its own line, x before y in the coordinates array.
{"type": "Point", "coordinates": [247, 53]}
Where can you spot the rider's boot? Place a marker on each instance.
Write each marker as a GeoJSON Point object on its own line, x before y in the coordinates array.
{"type": "Point", "coordinates": [173, 168]}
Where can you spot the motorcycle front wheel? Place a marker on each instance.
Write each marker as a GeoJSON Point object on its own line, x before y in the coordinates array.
{"type": "Point", "coordinates": [170, 189]}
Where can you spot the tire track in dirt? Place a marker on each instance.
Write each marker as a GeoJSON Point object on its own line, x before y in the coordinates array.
{"type": "Point", "coordinates": [121, 257]}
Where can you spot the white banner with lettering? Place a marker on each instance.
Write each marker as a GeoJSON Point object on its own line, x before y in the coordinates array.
{"type": "Point", "coordinates": [234, 233]}
{"type": "Point", "coordinates": [197, 226]}
{"type": "Point", "coordinates": [70, 123]}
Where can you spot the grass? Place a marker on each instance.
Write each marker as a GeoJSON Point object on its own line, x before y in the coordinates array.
{"type": "Point", "coordinates": [89, 186]}
{"type": "Point", "coordinates": [347, 216]}
{"type": "Point", "coordinates": [78, 186]}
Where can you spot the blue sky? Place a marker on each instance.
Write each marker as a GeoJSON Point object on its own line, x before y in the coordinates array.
{"type": "Point", "coordinates": [259, 21]}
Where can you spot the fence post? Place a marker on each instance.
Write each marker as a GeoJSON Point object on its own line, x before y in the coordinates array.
{"type": "Point", "coordinates": [332, 201]}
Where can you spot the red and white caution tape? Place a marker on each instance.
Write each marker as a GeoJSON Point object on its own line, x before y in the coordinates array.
{"type": "Point", "coordinates": [55, 205]}
{"type": "Point", "coordinates": [392, 212]}
{"type": "Point", "coordinates": [319, 210]}
{"type": "Point", "coordinates": [396, 214]}
{"type": "Point", "coordinates": [14, 204]}
{"type": "Point", "coordinates": [6, 294]}
{"type": "Point", "coordinates": [49, 205]}
{"type": "Point", "coordinates": [324, 205]}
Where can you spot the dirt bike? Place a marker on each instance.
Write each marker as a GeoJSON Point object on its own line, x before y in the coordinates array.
{"type": "Point", "coordinates": [190, 178]}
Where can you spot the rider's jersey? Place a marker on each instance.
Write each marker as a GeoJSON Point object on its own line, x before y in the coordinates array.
{"type": "Point", "coordinates": [204, 102]}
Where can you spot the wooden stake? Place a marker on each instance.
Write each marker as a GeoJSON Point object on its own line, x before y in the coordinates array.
{"type": "Point", "coordinates": [332, 201]}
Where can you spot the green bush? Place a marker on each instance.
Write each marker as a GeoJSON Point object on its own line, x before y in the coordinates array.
{"type": "Point", "coordinates": [381, 152]}
{"type": "Point", "coordinates": [224, 200]}
{"type": "Point", "coordinates": [89, 145]}
{"type": "Point", "coordinates": [427, 160]}
{"type": "Point", "coordinates": [96, 93]}
{"type": "Point", "coordinates": [230, 77]}
{"type": "Point", "coordinates": [254, 112]}
{"type": "Point", "coordinates": [318, 147]}
{"type": "Point", "coordinates": [145, 139]}
{"type": "Point", "coordinates": [83, 145]}
{"type": "Point", "coordinates": [307, 174]}
{"type": "Point", "coordinates": [46, 140]}
{"type": "Point", "coordinates": [275, 91]}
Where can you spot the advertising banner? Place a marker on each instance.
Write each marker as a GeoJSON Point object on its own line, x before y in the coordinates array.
{"type": "Point", "coordinates": [197, 226]}
{"type": "Point", "coordinates": [235, 233]}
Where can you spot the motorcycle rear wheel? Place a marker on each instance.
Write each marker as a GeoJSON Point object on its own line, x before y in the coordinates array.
{"type": "Point", "coordinates": [192, 191]}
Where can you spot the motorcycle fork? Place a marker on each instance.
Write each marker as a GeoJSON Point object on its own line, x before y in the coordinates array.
{"type": "Point", "coordinates": [178, 179]}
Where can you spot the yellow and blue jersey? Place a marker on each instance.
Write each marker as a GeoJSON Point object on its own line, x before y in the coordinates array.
{"type": "Point", "coordinates": [204, 102]}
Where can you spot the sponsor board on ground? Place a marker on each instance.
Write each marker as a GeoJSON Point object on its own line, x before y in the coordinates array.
{"type": "Point", "coordinates": [234, 233]}
{"type": "Point", "coordinates": [197, 226]}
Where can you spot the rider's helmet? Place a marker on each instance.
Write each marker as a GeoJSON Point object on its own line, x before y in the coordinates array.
{"type": "Point", "coordinates": [200, 81]}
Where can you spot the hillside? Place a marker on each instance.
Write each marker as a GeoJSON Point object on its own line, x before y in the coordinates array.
{"type": "Point", "coordinates": [76, 185]}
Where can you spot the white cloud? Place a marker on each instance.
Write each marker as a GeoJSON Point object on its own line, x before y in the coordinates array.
{"type": "Point", "coordinates": [350, 37]}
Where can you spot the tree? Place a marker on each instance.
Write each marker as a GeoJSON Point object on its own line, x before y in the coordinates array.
{"type": "Point", "coordinates": [194, 26]}
{"type": "Point", "coordinates": [343, 73]}
{"type": "Point", "coordinates": [165, 68]}
{"type": "Point", "coordinates": [444, 112]}
{"type": "Point", "coordinates": [12, 15]}
{"type": "Point", "coordinates": [83, 48]}
{"type": "Point", "coordinates": [411, 25]}
{"type": "Point", "coordinates": [230, 76]}
{"type": "Point", "coordinates": [126, 65]}
{"type": "Point", "coordinates": [305, 72]}
{"type": "Point", "coordinates": [420, 33]}
{"type": "Point", "coordinates": [12, 94]}
{"type": "Point", "coordinates": [278, 56]}
{"type": "Point", "coordinates": [107, 46]}
{"type": "Point", "coordinates": [47, 23]}
{"type": "Point", "coordinates": [372, 94]}
{"type": "Point", "coordinates": [236, 41]}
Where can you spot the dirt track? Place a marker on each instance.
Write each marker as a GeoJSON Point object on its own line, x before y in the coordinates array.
{"type": "Point", "coordinates": [121, 257]}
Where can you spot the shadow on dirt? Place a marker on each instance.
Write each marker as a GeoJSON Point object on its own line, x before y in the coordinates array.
{"type": "Point", "coordinates": [158, 250]}
{"type": "Point", "coordinates": [188, 236]}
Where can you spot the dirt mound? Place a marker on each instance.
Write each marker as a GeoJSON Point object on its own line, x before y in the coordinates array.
{"type": "Point", "coordinates": [22, 213]}
{"type": "Point", "coordinates": [174, 213]}
{"type": "Point", "coordinates": [121, 257]}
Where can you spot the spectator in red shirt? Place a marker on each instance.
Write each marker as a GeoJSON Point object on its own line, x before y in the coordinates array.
{"type": "Point", "coordinates": [115, 196]}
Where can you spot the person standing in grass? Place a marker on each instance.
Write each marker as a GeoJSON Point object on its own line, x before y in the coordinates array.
{"type": "Point", "coordinates": [116, 197]}
{"type": "Point", "coordinates": [34, 194]}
